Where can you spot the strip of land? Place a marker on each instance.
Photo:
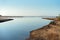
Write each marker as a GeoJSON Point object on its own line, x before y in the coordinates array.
{"type": "Point", "coordinates": [47, 32]}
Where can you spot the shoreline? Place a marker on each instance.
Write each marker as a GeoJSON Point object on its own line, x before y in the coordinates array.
{"type": "Point", "coordinates": [47, 32]}
{"type": "Point", "coordinates": [4, 20]}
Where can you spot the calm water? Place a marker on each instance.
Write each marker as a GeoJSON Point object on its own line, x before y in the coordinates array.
{"type": "Point", "coordinates": [20, 28]}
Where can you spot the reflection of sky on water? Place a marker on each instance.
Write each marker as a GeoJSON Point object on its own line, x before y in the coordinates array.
{"type": "Point", "coordinates": [19, 29]}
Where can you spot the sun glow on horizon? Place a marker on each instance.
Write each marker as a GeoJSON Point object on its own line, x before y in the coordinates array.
{"type": "Point", "coordinates": [3, 12]}
{"type": "Point", "coordinates": [29, 7]}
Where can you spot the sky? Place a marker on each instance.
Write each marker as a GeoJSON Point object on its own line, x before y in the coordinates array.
{"type": "Point", "coordinates": [30, 7]}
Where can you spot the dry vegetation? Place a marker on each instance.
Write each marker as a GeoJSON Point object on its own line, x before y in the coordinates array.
{"type": "Point", "coordinates": [48, 32]}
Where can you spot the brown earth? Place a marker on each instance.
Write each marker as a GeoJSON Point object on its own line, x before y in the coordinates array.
{"type": "Point", "coordinates": [48, 32]}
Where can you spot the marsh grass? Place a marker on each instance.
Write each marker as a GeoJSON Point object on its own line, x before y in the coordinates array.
{"type": "Point", "coordinates": [58, 17]}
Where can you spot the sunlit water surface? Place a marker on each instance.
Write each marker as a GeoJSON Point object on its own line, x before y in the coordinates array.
{"type": "Point", "coordinates": [19, 28]}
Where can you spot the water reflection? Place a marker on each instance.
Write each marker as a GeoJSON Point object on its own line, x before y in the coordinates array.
{"type": "Point", "coordinates": [20, 28]}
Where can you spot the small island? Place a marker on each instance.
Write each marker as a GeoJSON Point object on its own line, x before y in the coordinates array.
{"type": "Point", "coordinates": [48, 32]}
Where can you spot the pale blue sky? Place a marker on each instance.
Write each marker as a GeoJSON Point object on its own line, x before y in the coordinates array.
{"type": "Point", "coordinates": [30, 7]}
